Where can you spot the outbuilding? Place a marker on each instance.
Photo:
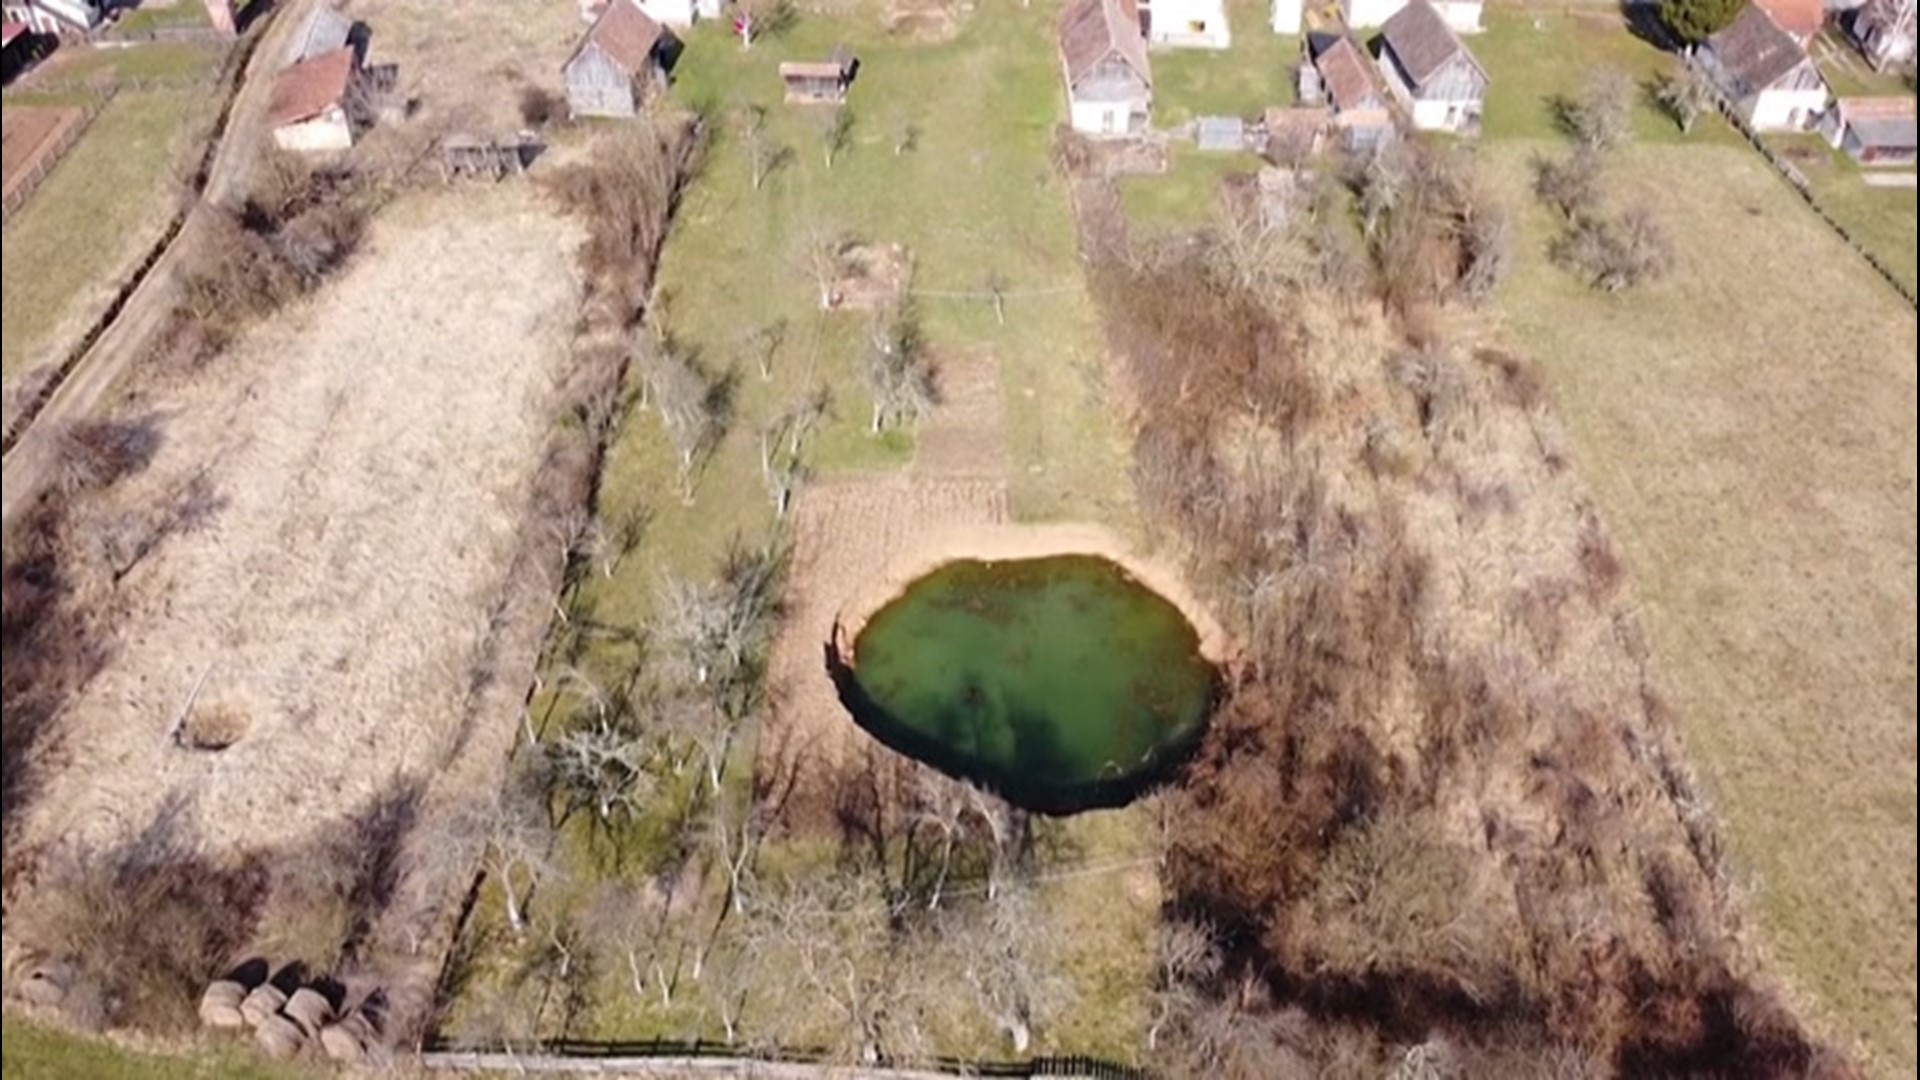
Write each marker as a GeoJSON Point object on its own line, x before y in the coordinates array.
{"type": "Point", "coordinates": [617, 64]}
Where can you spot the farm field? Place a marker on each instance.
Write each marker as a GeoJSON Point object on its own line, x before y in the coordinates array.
{"type": "Point", "coordinates": [92, 218]}
{"type": "Point", "coordinates": [1758, 470]}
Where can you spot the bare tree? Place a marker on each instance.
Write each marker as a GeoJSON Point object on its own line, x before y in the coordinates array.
{"type": "Point", "coordinates": [996, 288]}
{"type": "Point", "coordinates": [894, 368]}
{"type": "Point", "coordinates": [1686, 93]}
{"type": "Point", "coordinates": [1486, 246]}
{"type": "Point", "coordinates": [1186, 958]}
{"type": "Point", "coordinates": [732, 835]}
{"type": "Point", "coordinates": [1383, 185]}
{"type": "Point", "coordinates": [513, 845]}
{"type": "Point", "coordinates": [836, 132]}
{"type": "Point", "coordinates": [690, 407]}
{"type": "Point", "coordinates": [1004, 954]}
{"type": "Point", "coordinates": [755, 19]}
{"type": "Point", "coordinates": [941, 803]}
{"type": "Point", "coordinates": [718, 633]}
{"type": "Point", "coordinates": [821, 245]}
{"type": "Point", "coordinates": [602, 765]}
{"type": "Point", "coordinates": [1570, 185]}
{"type": "Point", "coordinates": [764, 153]}
{"type": "Point", "coordinates": [1615, 253]}
{"type": "Point", "coordinates": [1601, 118]}
{"type": "Point", "coordinates": [763, 342]}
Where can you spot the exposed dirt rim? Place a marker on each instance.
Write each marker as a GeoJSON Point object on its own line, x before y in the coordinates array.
{"type": "Point", "coordinates": [1008, 542]}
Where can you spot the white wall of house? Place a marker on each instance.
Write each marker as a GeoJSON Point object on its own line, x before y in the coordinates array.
{"type": "Point", "coordinates": [1193, 24]}
{"type": "Point", "coordinates": [1444, 115]}
{"type": "Point", "coordinates": [1462, 15]}
{"type": "Point", "coordinates": [1103, 117]}
{"type": "Point", "coordinates": [1783, 110]}
{"type": "Point", "coordinates": [675, 13]}
{"type": "Point", "coordinates": [328, 131]}
{"type": "Point", "coordinates": [1286, 16]}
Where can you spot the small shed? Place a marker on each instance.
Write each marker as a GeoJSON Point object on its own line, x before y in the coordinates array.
{"type": "Point", "coordinates": [312, 107]}
{"type": "Point", "coordinates": [1872, 131]}
{"type": "Point", "coordinates": [617, 63]}
{"type": "Point", "coordinates": [1429, 69]}
{"type": "Point", "coordinates": [823, 82]}
{"type": "Point", "coordinates": [1220, 133]}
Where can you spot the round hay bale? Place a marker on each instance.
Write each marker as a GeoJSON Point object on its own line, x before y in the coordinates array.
{"type": "Point", "coordinates": [262, 1004]}
{"type": "Point", "coordinates": [44, 987]}
{"type": "Point", "coordinates": [343, 1043]}
{"type": "Point", "coordinates": [310, 1009]}
{"type": "Point", "coordinates": [279, 1037]}
{"type": "Point", "coordinates": [220, 1005]}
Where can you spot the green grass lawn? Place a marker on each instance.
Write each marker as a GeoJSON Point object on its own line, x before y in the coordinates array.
{"type": "Point", "coordinates": [1849, 75]}
{"type": "Point", "coordinates": [1882, 219]}
{"type": "Point", "coordinates": [1752, 453]}
{"type": "Point", "coordinates": [169, 61]}
{"type": "Point", "coordinates": [973, 197]}
{"type": "Point", "coordinates": [31, 1052]}
{"type": "Point", "coordinates": [94, 214]}
{"type": "Point", "coordinates": [151, 17]}
{"type": "Point", "coordinates": [1187, 195]}
{"type": "Point", "coordinates": [1241, 81]}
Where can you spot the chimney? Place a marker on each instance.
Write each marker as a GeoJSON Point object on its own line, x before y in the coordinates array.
{"type": "Point", "coordinates": [220, 14]}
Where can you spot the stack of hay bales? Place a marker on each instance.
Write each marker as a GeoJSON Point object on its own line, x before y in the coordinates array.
{"type": "Point", "coordinates": [220, 1005]}
{"type": "Point", "coordinates": [263, 1004]}
{"type": "Point", "coordinates": [310, 1009]}
{"type": "Point", "coordinates": [279, 1037]}
{"type": "Point", "coordinates": [348, 1040]}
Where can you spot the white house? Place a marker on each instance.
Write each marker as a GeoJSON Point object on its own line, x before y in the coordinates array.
{"type": "Point", "coordinates": [1765, 74]}
{"type": "Point", "coordinates": [1430, 71]}
{"type": "Point", "coordinates": [1286, 16]}
{"type": "Point", "coordinates": [681, 14]}
{"type": "Point", "coordinates": [63, 17]}
{"type": "Point", "coordinates": [1463, 16]}
{"type": "Point", "coordinates": [1872, 131]}
{"type": "Point", "coordinates": [312, 108]}
{"type": "Point", "coordinates": [1103, 57]}
{"type": "Point", "coordinates": [1194, 24]}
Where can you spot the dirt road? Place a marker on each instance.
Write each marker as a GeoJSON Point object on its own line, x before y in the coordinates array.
{"type": "Point", "coordinates": [145, 313]}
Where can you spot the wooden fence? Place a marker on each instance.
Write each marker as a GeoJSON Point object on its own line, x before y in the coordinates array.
{"type": "Point", "coordinates": [46, 157]}
{"type": "Point", "coordinates": [686, 1060]}
{"type": "Point", "coordinates": [1797, 180]}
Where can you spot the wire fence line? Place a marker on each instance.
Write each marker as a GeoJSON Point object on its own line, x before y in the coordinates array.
{"type": "Point", "coordinates": [689, 1061]}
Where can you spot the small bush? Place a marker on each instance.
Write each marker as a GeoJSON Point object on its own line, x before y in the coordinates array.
{"type": "Point", "coordinates": [1615, 254]}
{"type": "Point", "coordinates": [1570, 185]}
{"type": "Point", "coordinates": [540, 106]}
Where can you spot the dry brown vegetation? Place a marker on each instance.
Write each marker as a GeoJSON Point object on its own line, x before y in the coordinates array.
{"type": "Point", "coordinates": [1439, 821]}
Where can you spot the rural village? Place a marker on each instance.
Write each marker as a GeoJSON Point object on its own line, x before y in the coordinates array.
{"type": "Point", "coordinates": [899, 538]}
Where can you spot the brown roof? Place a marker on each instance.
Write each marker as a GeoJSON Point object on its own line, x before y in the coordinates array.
{"type": "Point", "coordinates": [1422, 41]}
{"type": "Point", "coordinates": [1754, 52]}
{"type": "Point", "coordinates": [311, 87]}
{"type": "Point", "coordinates": [1801, 18]}
{"type": "Point", "coordinates": [625, 34]}
{"type": "Point", "coordinates": [1347, 75]}
{"type": "Point", "coordinates": [1090, 30]}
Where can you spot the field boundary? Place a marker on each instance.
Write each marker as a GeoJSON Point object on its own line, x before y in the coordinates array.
{"type": "Point", "coordinates": [680, 1059]}
{"type": "Point", "coordinates": [47, 158]}
{"type": "Point", "coordinates": [1796, 180]}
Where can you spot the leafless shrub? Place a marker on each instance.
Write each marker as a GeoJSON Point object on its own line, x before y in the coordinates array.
{"type": "Point", "coordinates": [1598, 560]}
{"type": "Point", "coordinates": [1614, 254]}
{"type": "Point", "coordinates": [1570, 185]}
{"type": "Point", "coordinates": [626, 192]}
{"type": "Point", "coordinates": [1523, 384]}
{"type": "Point", "coordinates": [1600, 118]}
{"type": "Point", "coordinates": [98, 453]}
{"type": "Point", "coordinates": [895, 367]}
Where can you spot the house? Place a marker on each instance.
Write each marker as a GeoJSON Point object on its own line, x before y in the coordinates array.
{"type": "Point", "coordinates": [1286, 16]}
{"type": "Point", "coordinates": [617, 63]}
{"type": "Point", "coordinates": [324, 31]}
{"type": "Point", "coordinates": [1103, 57]}
{"type": "Point", "coordinates": [1767, 77]}
{"type": "Point", "coordinates": [313, 107]}
{"type": "Point", "coordinates": [680, 14]}
{"type": "Point", "coordinates": [1432, 74]}
{"type": "Point", "coordinates": [1801, 19]}
{"type": "Point", "coordinates": [819, 82]}
{"type": "Point", "coordinates": [1872, 131]}
{"type": "Point", "coordinates": [1361, 111]}
{"type": "Point", "coordinates": [1882, 30]}
{"type": "Point", "coordinates": [1194, 24]}
{"type": "Point", "coordinates": [1462, 15]}
{"type": "Point", "coordinates": [66, 18]}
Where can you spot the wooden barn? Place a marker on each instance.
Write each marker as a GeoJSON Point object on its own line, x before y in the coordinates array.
{"type": "Point", "coordinates": [822, 82]}
{"type": "Point", "coordinates": [1430, 70]}
{"type": "Point", "coordinates": [1103, 54]}
{"type": "Point", "coordinates": [617, 64]}
{"type": "Point", "coordinates": [1351, 89]}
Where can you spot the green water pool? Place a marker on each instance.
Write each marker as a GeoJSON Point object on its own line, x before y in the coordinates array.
{"type": "Point", "coordinates": [1062, 683]}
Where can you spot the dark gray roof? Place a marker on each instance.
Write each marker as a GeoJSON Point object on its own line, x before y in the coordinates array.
{"type": "Point", "coordinates": [1422, 42]}
{"type": "Point", "coordinates": [1891, 132]}
{"type": "Point", "coordinates": [326, 31]}
{"type": "Point", "coordinates": [1754, 52]}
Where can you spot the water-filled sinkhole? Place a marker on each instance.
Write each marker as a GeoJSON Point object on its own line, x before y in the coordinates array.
{"type": "Point", "coordinates": [1061, 683]}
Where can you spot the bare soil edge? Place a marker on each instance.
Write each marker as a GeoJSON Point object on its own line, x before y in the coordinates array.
{"type": "Point", "coordinates": [1006, 542]}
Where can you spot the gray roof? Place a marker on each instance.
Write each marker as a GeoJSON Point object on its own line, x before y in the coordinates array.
{"type": "Point", "coordinates": [1754, 52]}
{"type": "Point", "coordinates": [1891, 132]}
{"type": "Point", "coordinates": [1221, 133]}
{"type": "Point", "coordinates": [1091, 30]}
{"type": "Point", "coordinates": [325, 31]}
{"type": "Point", "coordinates": [1422, 42]}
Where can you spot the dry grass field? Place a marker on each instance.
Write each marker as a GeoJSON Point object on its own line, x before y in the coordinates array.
{"type": "Point", "coordinates": [1753, 447]}
{"type": "Point", "coordinates": [359, 467]}
{"type": "Point", "coordinates": [463, 63]}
